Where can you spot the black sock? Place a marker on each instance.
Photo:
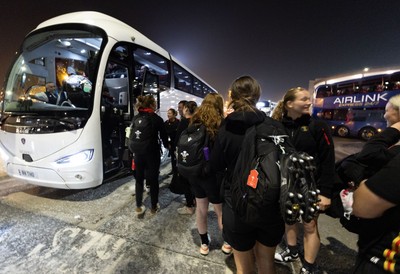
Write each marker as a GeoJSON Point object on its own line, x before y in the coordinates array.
{"type": "Point", "coordinates": [204, 238]}
{"type": "Point", "coordinates": [308, 266]}
{"type": "Point", "coordinates": [293, 249]}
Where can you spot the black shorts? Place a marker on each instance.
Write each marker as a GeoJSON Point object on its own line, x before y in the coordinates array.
{"type": "Point", "coordinates": [206, 188]}
{"type": "Point", "coordinates": [243, 237]}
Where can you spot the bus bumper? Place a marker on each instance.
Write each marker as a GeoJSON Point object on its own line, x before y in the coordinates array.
{"type": "Point", "coordinates": [77, 179]}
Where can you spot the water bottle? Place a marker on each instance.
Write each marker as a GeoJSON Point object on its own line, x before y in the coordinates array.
{"type": "Point", "coordinates": [206, 153]}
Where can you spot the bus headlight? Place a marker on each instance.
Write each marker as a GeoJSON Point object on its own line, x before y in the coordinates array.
{"type": "Point", "coordinates": [80, 157]}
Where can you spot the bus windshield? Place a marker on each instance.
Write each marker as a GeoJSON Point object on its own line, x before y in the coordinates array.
{"type": "Point", "coordinates": [65, 59]}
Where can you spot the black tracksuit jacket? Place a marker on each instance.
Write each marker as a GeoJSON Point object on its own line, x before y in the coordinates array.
{"type": "Point", "coordinates": [314, 137]}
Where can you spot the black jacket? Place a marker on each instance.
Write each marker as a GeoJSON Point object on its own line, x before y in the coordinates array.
{"type": "Point", "coordinates": [171, 128]}
{"type": "Point", "coordinates": [380, 149]}
{"type": "Point", "coordinates": [385, 184]}
{"type": "Point", "coordinates": [159, 127]}
{"type": "Point", "coordinates": [314, 137]}
{"type": "Point", "coordinates": [183, 124]}
{"type": "Point", "coordinates": [376, 153]}
{"type": "Point", "coordinates": [229, 140]}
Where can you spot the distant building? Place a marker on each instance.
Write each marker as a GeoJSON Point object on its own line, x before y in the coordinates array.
{"type": "Point", "coordinates": [266, 106]}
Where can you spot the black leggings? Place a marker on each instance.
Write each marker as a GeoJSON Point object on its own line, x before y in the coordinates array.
{"type": "Point", "coordinates": [147, 166]}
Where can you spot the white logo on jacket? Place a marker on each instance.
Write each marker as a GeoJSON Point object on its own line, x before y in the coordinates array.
{"type": "Point", "coordinates": [184, 154]}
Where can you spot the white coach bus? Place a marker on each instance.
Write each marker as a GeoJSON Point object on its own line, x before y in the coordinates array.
{"type": "Point", "coordinates": [99, 66]}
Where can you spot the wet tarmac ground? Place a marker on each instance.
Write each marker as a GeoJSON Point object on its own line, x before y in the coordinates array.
{"type": "Point", "coordinates": [97, 231]}
{"type": "Point", "coordinates": [44, 230]}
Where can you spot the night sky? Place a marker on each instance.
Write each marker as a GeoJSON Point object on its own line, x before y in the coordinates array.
{"type": "Point", "coordinates": [281, 43]}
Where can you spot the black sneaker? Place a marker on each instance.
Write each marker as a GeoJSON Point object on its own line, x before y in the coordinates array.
{"type": "Point", "coordinates": [285, 256]}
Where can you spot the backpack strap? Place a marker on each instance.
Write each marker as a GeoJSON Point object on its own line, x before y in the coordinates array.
{"type": "Point", "coordinates": [279, 140]}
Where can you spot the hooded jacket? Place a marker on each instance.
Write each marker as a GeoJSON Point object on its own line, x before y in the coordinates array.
{"type": "Point", "coordinates": [229, 140]}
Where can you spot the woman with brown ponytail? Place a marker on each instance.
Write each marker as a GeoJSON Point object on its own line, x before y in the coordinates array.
{"type": "Point", "coordinates": [253, 245]}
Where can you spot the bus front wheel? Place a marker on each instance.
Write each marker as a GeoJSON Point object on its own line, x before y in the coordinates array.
{"type": "Point", "coordinates": [367, 133]}
{"type": "Point", "coordinates": [342, 131]}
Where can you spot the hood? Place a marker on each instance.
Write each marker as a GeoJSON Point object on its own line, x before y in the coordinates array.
{"type": "Point", "coordinates": [239, 122]}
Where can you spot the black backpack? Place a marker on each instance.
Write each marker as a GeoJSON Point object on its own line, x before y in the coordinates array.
{"type": "Point", "coordinates": [142, 133]}
{"type": "Point", "coordinates": [267, 176]}
{"type": "Point", "coordinates": [192, 151]}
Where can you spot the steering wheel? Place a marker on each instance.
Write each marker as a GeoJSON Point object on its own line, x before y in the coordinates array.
{"type": "Point", "coordinates": [68, 103]}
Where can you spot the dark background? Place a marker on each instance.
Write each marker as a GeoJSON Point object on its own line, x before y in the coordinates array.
{"type": "Point", "coordinates": [281, 43]}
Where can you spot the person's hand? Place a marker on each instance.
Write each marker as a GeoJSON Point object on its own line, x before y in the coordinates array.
{"type": "Point", "coordinates": [324, 203]}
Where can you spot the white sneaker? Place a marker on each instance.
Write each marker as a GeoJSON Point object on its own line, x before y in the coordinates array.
{"type": "Point", "coordinates": [204, 248]}
{"type": "Point", "coordinates": [140, 210]}
{"type": "Point", "coordinates": [186, 210]}
{"type": "Point", "coordinates": [285, 256]}
{"type": "Point", "coordinates": [226, 248]}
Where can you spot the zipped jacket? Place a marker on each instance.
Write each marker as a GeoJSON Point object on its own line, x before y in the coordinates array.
{"type": "Point", "coordinates": [314, 137]}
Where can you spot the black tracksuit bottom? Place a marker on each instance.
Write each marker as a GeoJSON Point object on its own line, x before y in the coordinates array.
{"type": "Point", "coordinates": [147, 167]}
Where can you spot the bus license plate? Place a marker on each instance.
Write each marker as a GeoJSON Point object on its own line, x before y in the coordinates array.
{"type": "Point", "coordinates": [26, 173]}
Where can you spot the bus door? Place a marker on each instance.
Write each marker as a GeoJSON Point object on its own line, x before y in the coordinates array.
{"type": "Point", "coordinates": [151, 86]}
{"type": "Point", "coordinates": [115, 109]}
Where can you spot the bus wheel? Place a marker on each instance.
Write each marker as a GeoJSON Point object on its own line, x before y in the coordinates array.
{"type": "Point", "coordinates": [342, 131]}
{"type": "Point", "coordinates": [366, 133]}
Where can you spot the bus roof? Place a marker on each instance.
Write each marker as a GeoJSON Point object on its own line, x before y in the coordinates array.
{"type": "Point", "coordinates": [114, 28]}
{"type": "Point", "coordinates": [354, 75]}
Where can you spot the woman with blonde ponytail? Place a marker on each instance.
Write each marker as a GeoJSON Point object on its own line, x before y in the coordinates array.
{"type": "Point", "coordinates": [314, 137]}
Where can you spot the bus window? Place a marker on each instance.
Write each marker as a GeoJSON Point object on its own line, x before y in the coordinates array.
{"type": "Point", "coordinates": [340, 114]}
{"type": "Point", "coordinates": [154, 62]}
{"type": "Point", "coordinates": [327, 114]}
{"type": "Point", "coordinates": [117, 81]}
{"type": "Point", "coordinates": [376, 115]}
{"type": "Point", "coordinates": [120, 53]}
{"type": "Point", "coordinates": [183, 80]}
{"type": "Point", "coordinates": [151, 86]}
{"type": "Point", "coordinates": [323, 91]}
{"type": "Point", "coordinates": [198, 88]}
{"type": "Point", "coordinates": [207, 90]}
